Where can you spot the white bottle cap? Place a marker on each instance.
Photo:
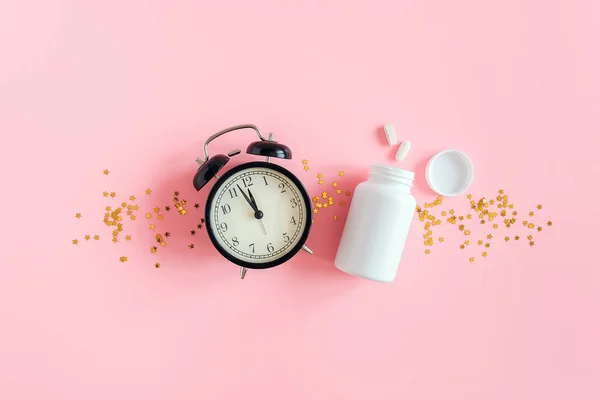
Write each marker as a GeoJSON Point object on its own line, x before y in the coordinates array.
{"type": "Point", "coordinates": [449, 173]}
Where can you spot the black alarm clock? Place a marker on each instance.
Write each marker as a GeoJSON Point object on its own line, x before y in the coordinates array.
{"type": "Point", "coordinates": [258, 214]}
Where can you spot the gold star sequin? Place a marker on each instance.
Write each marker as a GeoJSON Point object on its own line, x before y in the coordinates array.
{"type": "Point", "coordinates": [514, 213]}
{"type": "Point", "coordinates": [167, 234]}
{"type": "Point", "coordinates": [539, 206]}
{"type": "Point", "coordinates": [157, 265]}
{"type": "Point", "coordinates": [341, 173]}
{"type": "Point", "coordinates": [305, 168]}
{"type": "Point", "coordinates": [78, 215]}
{"type": "Point", "coordinates": [530, 225]}
{"type": "Point", "coordinates": [334, 184]}
{"type": "Point", "coordinates": [324, 195]}
{"type": "Point", "coordinates": [471, 259]}
{"type": "Point", "coordinates": [495, 226]}
{"type": "Point", "coordinates": [156, 209]}
{"type": "Point", "coordinates": [96, 237]}
{"type": "Point", "coordinates": [191, 245]}
{"type": "Point", "coordinates": [192, 232]}
{"type": "Point", "coordinates": [427, 251]}
{"type": "Point", "coordinates": [320, 175]}
{"type": "Point", "coordinates": [152, 226]}
{"type": "Point", "coordinates": [484, 254]}
{"type": "Point", "coordinates": [131, 198]}
{"type": "Point", "coordinates": [531, 243]}
{"type": "Point", "coordinates": [529, 237]}
{"type": "Point", "coordinates": [489, 236]}
{"type": "Point", "coordinates": [315, 210]}
{"type": "Point", "coordinates": [506, 238]}
{"type": "Point", "coordinates": [482, 221]}
{"type": "Point", "coordinates": [549, 223]}
{"type": "Point", "coordinates": [123, 204]}
{"type": "Point", "coordinates": [469, 196]}
{"type": "Point", "coordinates": [525, 223]}
{"type": "Point", "coordinates": [462, 246]}
{"type": "Point", "coordinates": [467, 232]}
{"type": "Point", "coordinates": [305, 162]}
{"type": "Point", "coordinates": [501, 192]}
{"type": "Point", "coordinates": [467, 242]}
{"type": "Point", "coordinates": [335, 217]}
{"type": "Point", "coordinates": [153, 249]}
{"type": "Point", "coordinates": [132, 217]}
{"type": "Point", "coordinates": [148, 215]}
{"type": "Point", "coordinates": [325, 205]}
{"type": "Point", "coordinates": [444, 213]}
{"type": "Point", "coordinates": [319, 205]}
{"type": "Point", "coordinates": [517, 237]}
{"type": "Point", "coordinates": [159, 216]}
{"type": "Point", "coordinates": [122, 258]}
{"type": "Point", "coordinates": [531, 213]}
{"type": "Point", "coordinates": [75, 241]}
{"type": "Point", "coordinates": [338, 191]}
{"type": "Point", "coordinates": [487, 245]}
{"type": "Point", "coordinates": [128, 238]}
{"type": "Point", "coordinates": [460, 218]}
{"type": "Point", "coordinates": [461, 227]}
{"type": "Point", "coordinates": [105, 172]}
{"type": "Point", "coordinates": [105, 194]}
{"type": "Point", "coordinates": [480, 242]}
{"type": "Point", "coordinates": [451, 212]}
{"type": "Point", "coordinates": [539, 228]}
{"type": "Point", "coordinates": [176, 193]}
{"type": "Point", "coordinates": [330, 201]}
{"type": "Point", "coordinates": [87, 237]}
{"type": "Point", "coordinates": [148, 191]}
{"type": "Point", "coordinates": [115, 240]}
{"type": "Point", "coordinates": [167, 208]}
{"type": "Point", "coordinates": [113, 194]}
{"type": "Point", "coordinates": [441, 239]}
{"type": "Point", "coordinates": [321, 182]}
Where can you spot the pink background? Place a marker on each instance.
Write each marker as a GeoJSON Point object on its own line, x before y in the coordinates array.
{"type": "Point", "coordinates": [137, 86]}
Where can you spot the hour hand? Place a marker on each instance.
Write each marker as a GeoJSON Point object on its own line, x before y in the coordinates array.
{"type": "Point", "coordinates": [250, 202]}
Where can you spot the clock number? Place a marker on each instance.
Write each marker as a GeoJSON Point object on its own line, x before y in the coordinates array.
{"type": "Point", "coordinates": [266, 183]}
{"type": "Point", "coordinates": [223, 226]}
{"type": "Point", "coordinates": [293, 221]}
{"type": "Point", "coordinates": [251, 245]}
{"type": "Point", "coordinates": [270, 247]}
{"type": "Point", "coordinates": [226, 208]}
{"type": "Point", "coordinates": [286, 238]}
{"type": "Point", "coordinates": [282, 187]}
{"type": "Point", "coordinates": [235, 241]}
{"type": "Point", "coordinates": [247, 181]}
{"type": "Point", "coordinates": [232, 193]}
{"type": "Point", "coordinates": [294, 202]}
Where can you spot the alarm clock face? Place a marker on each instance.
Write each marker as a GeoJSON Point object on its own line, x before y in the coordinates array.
{"type": "Point", "coordinates": [258, 215]}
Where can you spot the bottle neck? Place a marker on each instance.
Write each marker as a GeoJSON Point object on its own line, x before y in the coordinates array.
{"type": "Point", "coordinates": [400, 179]}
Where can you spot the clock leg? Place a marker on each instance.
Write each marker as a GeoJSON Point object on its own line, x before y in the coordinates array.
{"type": "Point", "coordinates": [306, 249]}
{"type": "Point", "coordinates": [243, 273]}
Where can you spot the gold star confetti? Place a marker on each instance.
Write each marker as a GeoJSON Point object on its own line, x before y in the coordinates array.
{"type": "Point", "coordinates": [495, 226]}
{"type": "Point", "coordinates": [176, 193]}
{"type": "Point", "coordinates": [525, 223]}
{"type": "Point", "coordinates": [96, 237]}
{"type": "Point", "coordinates": [306, 168]}
{"type": "Point", "coordinates": [530, 226]}
{"type": "Point", "coordinates": [159, 216]}
{"type": "Point", "coordinates": [489, 236]}
{"type": "Point", "coordinates": [199, 226]}
{"type": "Point", "coordinates": [531, 243]}
{"type": "Point", "coordinates": [501, 191]}
{"type": "Point", "coordinates": [471, 259]}
{"type": "Point", "coordinates": [531, 213]}
{"type": "Point", "coordinates": [539, 228]}
{"type": "Point", "coordinates": [487, 245]}
{"type": "Point", "coordinates": [152, 226]}
{"type": "Point", "coordinates": [324, 194]}
{"type": "Point", "coordinates": [514, 213]}
{"type": "Point", "coordinates": [348, 193]}
{"type": "Point", "coordinates": [517, 237]}
{"type": "Point", "coordinates": [128, 237]}
{"type": "Point", "coordinates": [167, 208]}
{"type": "Point", "coordinates": [78, 215]}
{"type": "Point", "coordinates": [148, 215]}
{"type": "Point", "coordinates": [153, 249]}
{"type": "Point", "coordinates": [480, 242]}
{"type": "Point", "coordinates": [87, 237]}
{"type": "Point", "coordinates": [325, 205]}
{"type": "Point", "coordinates": [467, 242]}
{"type": "Point", "coordinates": [315, 210]}
{"type": "Point", "coordinates": [316, 199]}
{"type": "Point", "coordinates": [334, 184]}
{"type": "Point", "coordinates": [191, 245]}
{"type": "Point", "coordinates": [484, 254]}
{"type": "Point", "coordinates": [105, 194]}
{"type": "Point", "coordinates": [539, 206]}
{"type": "Point", "coordinates": [427, 251]}
{"type": "Point", "coordinates": [549, 223]}
{"type": "Point", "coordinates": [148, 191]}
{"type": "Point", "coordinates": [460, 218]}
{"type": "Point", "coordinates": [482, 222]}
{"type": "Point", "coordinates": [467, 232]}
{"type": "Point", "coordinates": [321, 182]}
{"type": "Point", "coordinates": [115, 240]}
{"type": "Point", "coordinates": [75, 241]}
{"type": "Point", "coordinates": [341, 173]}
{"type": "Point", "coordinates": [304, 162]}
{"type": "Point", "coordinates": [462, 246]}
{"type": "Point", "coordinates": [320, 175]}
{"type": "Point", "coordinates": [192, 232]}
{"type": "Point", "coordinates": [506, 238]}
{"type": "Point", "coordinates": [157, 265]}
{"type": "Point", "coordinates": [167, 234]}
{"type": "Point", "coordinates": [132, 217]}
{"type": "Point", "coordinates": [451, 212]}
{"type": "Point", "coordinates": [441, 239]}
{"type": "Point", "coordinates": [335, 217]}
{"type": "Point", "coordinates": [319, 205]}
{"type": "Point", "coordinates": [122, 258]}
{"type": "Point", "coordinates": [105, 172]}
{"type": "Point", "coordinates": [113, 194]}
{"type": "Point", "coordinates": [469, 196]}
{"type": "Point", "coordinates": [461, 227]}
{"type": "Point", "coordinates": [529, 237]}
{"type": "Point", "coordinates": [342, 203]}
{"type": "Point", "coordinates": [444, 213]}
{"type": "Point", "coordinates": [123, 204]}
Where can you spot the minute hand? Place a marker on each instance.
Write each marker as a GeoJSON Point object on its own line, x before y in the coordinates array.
{"type": "Point", "coordinates": [250, 202]}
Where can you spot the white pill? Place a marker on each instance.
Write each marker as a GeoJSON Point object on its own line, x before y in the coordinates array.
{"type": "Point", "coordinates": [403, 150]}
{"type": "Point", "coordinates": [390, 134]}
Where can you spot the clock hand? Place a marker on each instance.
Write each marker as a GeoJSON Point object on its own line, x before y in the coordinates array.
{"type": "Point", "coordinates": [258, 214]}
{"type": "Point", "coordinates": [252, 204]}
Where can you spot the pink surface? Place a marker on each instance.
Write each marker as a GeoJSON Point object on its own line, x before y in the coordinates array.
{"type": "Point", "coordinates": [136, 87]}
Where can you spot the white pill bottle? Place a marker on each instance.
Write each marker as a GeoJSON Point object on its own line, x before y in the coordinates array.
{"type": "Point", "coordinates": [378, 223]}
